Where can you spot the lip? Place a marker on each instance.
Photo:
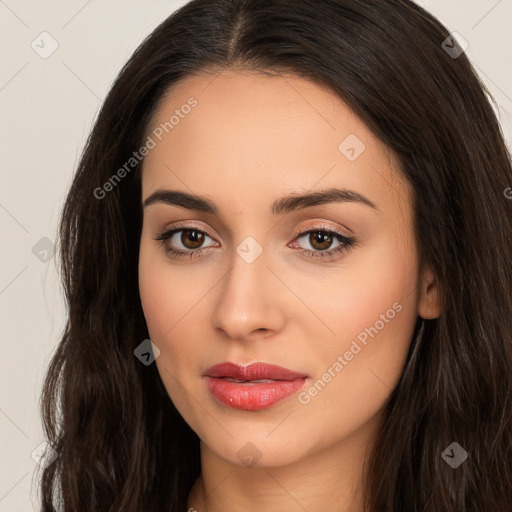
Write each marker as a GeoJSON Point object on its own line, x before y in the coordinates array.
{"type": "Point", "coordinates": [253, 371]}
{"type": "Point", "coordinates": [248, 395]}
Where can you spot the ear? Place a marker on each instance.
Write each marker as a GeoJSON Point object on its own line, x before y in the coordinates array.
{"type": "Point", "coordinates": [429, 302]}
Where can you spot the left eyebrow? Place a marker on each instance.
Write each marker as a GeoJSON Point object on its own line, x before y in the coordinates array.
{"type": "Point", "coordinates": [281, 206]}
{"type": "Point", "coordinates": [330, 195]}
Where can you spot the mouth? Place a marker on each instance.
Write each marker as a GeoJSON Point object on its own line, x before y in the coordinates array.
{"type": "Point", "coordinates": [230, 379]}
{"type": "Point", "coordinates": [252, 372]}
{"type": "Point", "coordinates": [252, 387]}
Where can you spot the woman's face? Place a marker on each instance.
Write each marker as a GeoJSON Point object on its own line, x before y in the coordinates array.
{"type": "Point", "coordinates": [337, 306]}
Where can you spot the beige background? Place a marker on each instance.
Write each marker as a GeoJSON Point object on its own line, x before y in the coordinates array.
{"type": "Point", "coordinates": [47, 108]}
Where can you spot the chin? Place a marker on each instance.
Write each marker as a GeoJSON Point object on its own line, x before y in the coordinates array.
{"type": "Point", "coordinates": [255, 450]}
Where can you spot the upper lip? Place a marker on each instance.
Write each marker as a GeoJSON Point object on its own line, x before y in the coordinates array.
{"type": "Point", "coordinates": [253, 371]}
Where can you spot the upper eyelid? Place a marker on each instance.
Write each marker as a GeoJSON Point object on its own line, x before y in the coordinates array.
{"type": "Point", "coordinates": [301, 232]}
{"type": "Point", "coordinates": [321, 225]}
{"type": "Point", "coordinates": [185, 227]}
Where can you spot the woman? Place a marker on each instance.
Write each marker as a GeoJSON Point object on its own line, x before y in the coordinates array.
{"type": "Point", "coordinates": [287, 259]}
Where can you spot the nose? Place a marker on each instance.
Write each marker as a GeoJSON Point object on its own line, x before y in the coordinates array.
{"type": "Point", "coordinates": [250, 301]}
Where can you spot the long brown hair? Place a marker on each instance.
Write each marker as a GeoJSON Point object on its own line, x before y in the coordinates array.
{"type": "Point", "coordinates": [122, 446]}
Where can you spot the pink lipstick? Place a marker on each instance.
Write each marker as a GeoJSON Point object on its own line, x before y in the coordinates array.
{"type": "Point", "coordinates": [252, 387]}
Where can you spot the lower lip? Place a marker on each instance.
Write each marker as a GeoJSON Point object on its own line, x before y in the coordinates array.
{"type": "Point", "coordinates": [252, 397]}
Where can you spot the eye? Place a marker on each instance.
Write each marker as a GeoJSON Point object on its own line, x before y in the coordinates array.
{"type": "Point", "coordinates": [187, 242]}
{"type": "Point", "coordinates": [321, 240]}
{"type": "Point", "coordinates": [191, 240]}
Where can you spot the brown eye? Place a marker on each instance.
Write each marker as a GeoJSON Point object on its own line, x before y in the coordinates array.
{"type": "Point", "coordinates": [184, 242]}
{"type": "Point", "coordinates": [320, 240]}
{"type": "Point", "coordinates": [192, 238]}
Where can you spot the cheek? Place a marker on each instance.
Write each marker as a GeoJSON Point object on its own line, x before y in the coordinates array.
{"type": "Point", "coordinates": [157, 288]}
{"type": "Point", "coordinates": [373, 311]}
{"type": "Point", "coordinates": [172, 300]}
{"type": "Point", "coordinates": [164, 308]}
{"type": "Point", "coordinates": [362, 293]}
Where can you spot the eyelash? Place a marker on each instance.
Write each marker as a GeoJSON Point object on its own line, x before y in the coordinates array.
{"type": "Point", "coordinates": [346, 243]}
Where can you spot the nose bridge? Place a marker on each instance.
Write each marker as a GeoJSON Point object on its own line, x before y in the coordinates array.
{"type": "Point", "coordinates": [246, 300]}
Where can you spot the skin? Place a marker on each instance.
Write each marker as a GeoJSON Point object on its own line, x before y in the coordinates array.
{"type": "Point", "coordinates": [250, 140]}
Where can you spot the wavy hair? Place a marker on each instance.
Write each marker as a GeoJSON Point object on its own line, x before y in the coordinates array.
{"type": "Point", "coordinates": [122, 446]}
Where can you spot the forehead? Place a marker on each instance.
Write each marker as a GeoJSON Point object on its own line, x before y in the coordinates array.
{"type": "Point", "coordinates": [266, 134]}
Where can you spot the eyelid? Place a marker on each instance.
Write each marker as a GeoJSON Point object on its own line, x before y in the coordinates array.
{"type": "Point", "coordinates": [184, 225]}
{"type": "Point", "coordinates": [320, 225]}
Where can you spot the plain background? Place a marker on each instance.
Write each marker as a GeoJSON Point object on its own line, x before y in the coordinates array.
{"type": "Point", "coordinates": [47, 109]}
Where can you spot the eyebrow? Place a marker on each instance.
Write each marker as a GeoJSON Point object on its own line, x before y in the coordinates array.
{"type": "Point", "coordinates": [281, 206]}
